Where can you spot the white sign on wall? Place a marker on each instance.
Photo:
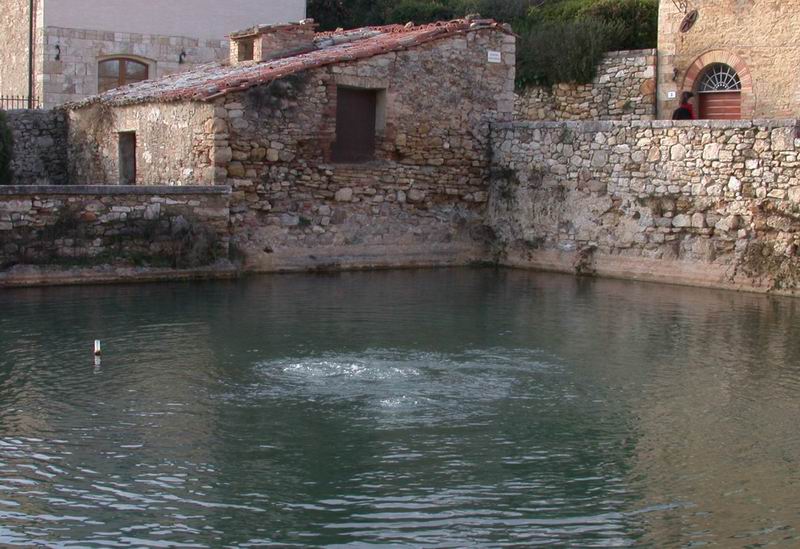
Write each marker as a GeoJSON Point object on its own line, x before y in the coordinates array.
{"type": "Point", "coordinates": [495, 57]}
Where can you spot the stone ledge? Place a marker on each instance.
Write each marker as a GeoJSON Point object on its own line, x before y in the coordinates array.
{"type": "Point", "coordinates": [607, 125]}
{"type": "Point", "coordinates": [30, 276]}
{"type": "Point", "coordinates": [629, 53]}
{"type": "Point", "coordinates": [142, 190]}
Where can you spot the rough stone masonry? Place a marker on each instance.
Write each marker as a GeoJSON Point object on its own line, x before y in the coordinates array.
{"type": "Point", "coordinates": [40, 147]}
{"type": "Point", "coordinates": [420, 200]}
{"type": "Point", "coordinates": [59, 228]}
{"type": "Point", "coordinates": [624, 89]}
{"type": "Point", "coordinates": [703, 203]}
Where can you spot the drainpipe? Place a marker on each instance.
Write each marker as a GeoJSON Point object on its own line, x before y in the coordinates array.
{"type": "Point", "coordinates": [30, 54]}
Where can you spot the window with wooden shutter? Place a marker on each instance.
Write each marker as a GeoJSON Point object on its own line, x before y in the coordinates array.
{"type": "Point", "coordinates": [356, 116]}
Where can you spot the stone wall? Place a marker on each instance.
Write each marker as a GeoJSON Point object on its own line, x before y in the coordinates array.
{"type": "Point", "coordinates": [75, 75]}
{"type": "Point", "coordinates": [759, 38]}
{"type": "Point", "coordinates": [420, 201]}
{"type": "Point", "coordinates": [40, 147]}
{"type": "Point", "coordinates": [624, 89]}
{"type": "Point", "coordinates": [705, 203]}
{"type": "Point", "coordinates": [157, 227]}
{"type": "Point", "coordinates": [174, 143]}
{"type": "Point", "coordinates": [209, 19]}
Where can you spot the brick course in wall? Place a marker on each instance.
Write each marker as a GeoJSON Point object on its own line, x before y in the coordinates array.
{"type": "Point", "coordinates": [624, 89]}
{"type": "Point", "coordinates": [40, 147]}
{"type": "Point", "coordinates": [706, 203]}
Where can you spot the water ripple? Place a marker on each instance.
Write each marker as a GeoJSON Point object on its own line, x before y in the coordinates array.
{"type": "Point", "coordinates": [454, 408]}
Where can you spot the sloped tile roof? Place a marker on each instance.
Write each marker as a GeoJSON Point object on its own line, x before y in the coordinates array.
{"type": "Point", "coordinates": [212, 80]}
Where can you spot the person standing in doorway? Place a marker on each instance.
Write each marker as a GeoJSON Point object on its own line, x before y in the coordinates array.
{"type": "Point", "coordinates": [686, 110]}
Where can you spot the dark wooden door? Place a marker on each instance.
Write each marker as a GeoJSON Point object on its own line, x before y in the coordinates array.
{"type": "Point", "coordinates": [355, 125]}
{"type": "Point", "coordinates": [721, 105]}
{"type": "Point", "coordinates": [127, 158]}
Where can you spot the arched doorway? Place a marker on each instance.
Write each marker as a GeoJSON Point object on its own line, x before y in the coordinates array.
{"type": "Point", "coordinates": [719, 90]}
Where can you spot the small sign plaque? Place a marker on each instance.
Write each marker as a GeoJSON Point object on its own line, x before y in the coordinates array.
{"type": "Point", "coordinates": [495, 57]}
{"type": "Point", "coordinates": [672, 95]}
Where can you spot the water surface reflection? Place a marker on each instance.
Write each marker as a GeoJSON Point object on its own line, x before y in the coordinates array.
{"type": "Point", "coordinates": [446, 408]}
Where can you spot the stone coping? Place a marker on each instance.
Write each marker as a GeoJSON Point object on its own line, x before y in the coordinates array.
{"type": "Point", "coordinates": [607, 125]}
{"type": "Point", "coordinates": [630, 53]}
{"type": "Point", "coordinates": [12, 190]}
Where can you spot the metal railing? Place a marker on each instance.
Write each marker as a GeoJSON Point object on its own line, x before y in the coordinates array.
{"type": "Point", "coordinates": [10, 102]}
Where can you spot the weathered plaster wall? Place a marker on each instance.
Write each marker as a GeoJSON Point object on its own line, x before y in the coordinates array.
{"type": "Point", "coordinates": [75, 75]}
{"type": "Point", "coordinates": [705, 203]}
{"type": "Point", "coordinates": [63, 227]}
{"type": "Point", "coordinates": [14, 60]}
{"type": "Point", "coordinates": [421, 201]}
{"type": "Point", "coordinates": [174, 143]}
{"type": "Point", "coordinates": [763, 36]}
{"type": "Point", "coordinates": [40, 147]}
{"type": "Point", "coordinates": [624, 89]}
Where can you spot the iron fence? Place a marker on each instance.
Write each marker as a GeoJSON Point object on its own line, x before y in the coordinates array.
{"type": "Point", "coordinates": [10, 102]}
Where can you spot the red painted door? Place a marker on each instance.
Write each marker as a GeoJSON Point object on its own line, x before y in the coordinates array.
{"type": "Point", "coordinates": [721, 105]}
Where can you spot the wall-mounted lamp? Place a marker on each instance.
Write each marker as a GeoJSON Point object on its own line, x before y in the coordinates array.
{"type": "Point", "coordinates": [58, 52]}
{"type": "Point", "coordinates": [675, 74]}
{"type": "Point", "coordinates": [182, 58]}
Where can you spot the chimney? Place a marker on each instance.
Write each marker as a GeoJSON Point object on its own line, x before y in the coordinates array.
{"type": "Point", "coordinates": [267, 42]}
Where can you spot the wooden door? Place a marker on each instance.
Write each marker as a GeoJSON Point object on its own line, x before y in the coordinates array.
{"type": "Point", "coordinates": [721, 105]}
{"type": "Point", "coordinates": [127, 158]}
{"type": "Point", "coordinates": [355, 125]}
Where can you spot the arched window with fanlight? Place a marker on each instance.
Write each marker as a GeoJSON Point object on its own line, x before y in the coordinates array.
{"type": "Point", "coordinates": [720, 93]}
{"type": "Point", "coordinates": [118, 71]}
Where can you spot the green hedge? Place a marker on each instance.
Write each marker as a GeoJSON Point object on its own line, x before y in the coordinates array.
{"type": "Point", "coordinates": [637, 21]}
{"type": "Point", "coordinates": [559, 51]}
{"type": "Point", "coordinates": [6, 150]}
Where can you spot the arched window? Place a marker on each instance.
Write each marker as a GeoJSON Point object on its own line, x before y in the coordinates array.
{"type": "Point", "coordinates": [116, 72]}
{"type": "Point", "coordinates": [720, 78]}
{"type": "Point", "coordinates": [720, 93]}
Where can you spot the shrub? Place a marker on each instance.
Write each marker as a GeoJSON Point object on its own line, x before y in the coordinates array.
{"type": "Point", "coordinates": [6, 150]}
{"type": "Point", "coordinates": [509, 11]}
{"type": "Point", "coordinates": [637, 21]}
{"type": "Point", "coordinates": [563, 51]}
{"type": "Point", "coordinates": [420, 11]}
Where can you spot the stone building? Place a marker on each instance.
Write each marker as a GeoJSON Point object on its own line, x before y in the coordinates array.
{"type": "Point", "coordinates": [81, 47]}
{"type": "Point", "coordinates": [347, 143]}
{"type": "Point", "coordinates": [739, 57]}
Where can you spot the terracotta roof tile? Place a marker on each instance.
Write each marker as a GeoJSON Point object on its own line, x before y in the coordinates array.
{"type": "Point", "coordinates": [212, 80]}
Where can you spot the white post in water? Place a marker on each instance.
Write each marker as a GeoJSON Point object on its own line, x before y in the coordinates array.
{"type": "Point", "coordinates": [97, 350]}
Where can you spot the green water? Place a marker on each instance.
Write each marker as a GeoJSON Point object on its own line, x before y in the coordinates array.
{"type": "Point", "coordinates": [451, 408]}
